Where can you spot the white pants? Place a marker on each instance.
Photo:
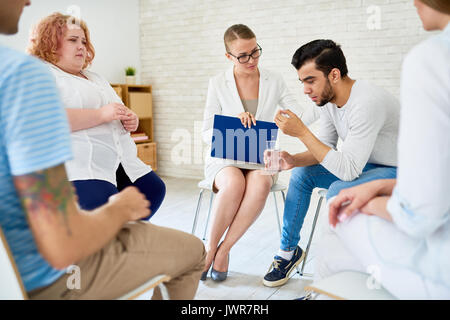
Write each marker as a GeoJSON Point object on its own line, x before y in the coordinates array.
{"type": "Point", "coordinates": [350, 247]}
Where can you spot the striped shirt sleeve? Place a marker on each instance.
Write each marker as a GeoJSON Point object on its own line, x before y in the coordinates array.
{"type": "Point", "coordinates": [37, 134]}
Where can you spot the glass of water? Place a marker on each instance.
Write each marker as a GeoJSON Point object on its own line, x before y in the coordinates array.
{"type": "Point", "coordinates": [272, 158]}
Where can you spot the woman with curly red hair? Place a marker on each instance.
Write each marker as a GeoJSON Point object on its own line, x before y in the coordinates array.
{"type": "Point", "coordinates": [105, 156]}
{"type": "Point", "coordinates": [45, 37]}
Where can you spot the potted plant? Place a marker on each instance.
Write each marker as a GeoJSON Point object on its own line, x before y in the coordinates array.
{"type": "Point", "coordinates": [130, 75]}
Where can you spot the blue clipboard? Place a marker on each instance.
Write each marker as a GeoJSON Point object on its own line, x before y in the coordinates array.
{"type": "Point", "coordinates": [231, 140]}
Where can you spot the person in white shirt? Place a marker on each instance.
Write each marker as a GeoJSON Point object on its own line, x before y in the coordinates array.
{"type": "Point", "coordinates": [364, 116]}
{"type": "Point", "coordinates": [250, 93]}
{"type": "Point", "coordinates": [105, 156]}
{"type": "Point", "coordinates": [399, 230]}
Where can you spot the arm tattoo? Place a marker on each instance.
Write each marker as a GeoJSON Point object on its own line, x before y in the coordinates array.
{"type": "Point", "coordinates": [46, 192]}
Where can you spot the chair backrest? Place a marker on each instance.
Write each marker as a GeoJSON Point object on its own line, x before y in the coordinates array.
{"type": "Point", "coordinates": [11, 287]}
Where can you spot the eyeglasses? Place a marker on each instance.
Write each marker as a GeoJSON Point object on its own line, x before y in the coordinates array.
{"type": "Point", "coordinates": [246, 57]}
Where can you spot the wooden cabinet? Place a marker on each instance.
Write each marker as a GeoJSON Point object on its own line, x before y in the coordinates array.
{"type": "Point", "coordinates": [139, 99]}
{"type": "Point", "coordinates": [147, 153]}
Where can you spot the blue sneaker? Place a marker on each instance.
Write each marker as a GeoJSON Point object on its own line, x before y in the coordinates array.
{"type": "Point", "coordinates": [280, 269]}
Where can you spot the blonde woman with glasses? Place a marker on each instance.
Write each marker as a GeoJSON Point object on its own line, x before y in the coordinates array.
{"type": "Point", "coordinates": [251, 93]}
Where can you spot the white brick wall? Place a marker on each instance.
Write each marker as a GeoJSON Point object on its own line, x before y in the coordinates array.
{"type": "Point", "coordinates": [108, 37]}
{"type": "Point", "coordinates": [181, 47]}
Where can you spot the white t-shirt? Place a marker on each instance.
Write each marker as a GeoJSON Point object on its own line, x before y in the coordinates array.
{"type": "Point", "coordinates": [368, 127]}
{"type": "Point", "coordinates": [97, 151]}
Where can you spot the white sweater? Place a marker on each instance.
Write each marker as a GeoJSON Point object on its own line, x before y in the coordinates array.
{"type": "Point", "coordinates": [368, 127]}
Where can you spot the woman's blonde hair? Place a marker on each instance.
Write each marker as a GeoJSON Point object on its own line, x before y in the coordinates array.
{"type": "Point", "coordinates": [46, 35]}
{"type": "Point", "coordinates": [439, 5]}
{"type": "Point", "coordinates": [237, 31]}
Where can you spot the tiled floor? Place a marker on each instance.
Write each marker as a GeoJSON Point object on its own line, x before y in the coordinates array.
{"type": "Point", "coordinates": [251, 256]}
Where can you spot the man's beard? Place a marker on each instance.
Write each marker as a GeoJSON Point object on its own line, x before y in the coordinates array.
{"type": "Point", "coordinates": [327, 94]}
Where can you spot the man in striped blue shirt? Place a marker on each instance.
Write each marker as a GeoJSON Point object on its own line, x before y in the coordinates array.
{"type": "Point", "coordinates": [34, 136]}
{"type": "Point", "coordinates": [44, 228]}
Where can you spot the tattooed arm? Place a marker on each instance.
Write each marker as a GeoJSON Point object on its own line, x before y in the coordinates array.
{"type": "Point", "coordinates": [64, 235]}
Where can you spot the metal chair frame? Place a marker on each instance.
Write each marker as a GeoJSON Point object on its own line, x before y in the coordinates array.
{"type": "Point", "coordinates": [277, 187]}
{"type": "Point", "coordinates": [322, 195]}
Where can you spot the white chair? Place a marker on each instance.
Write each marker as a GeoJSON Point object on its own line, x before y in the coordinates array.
{"type": "Point", "coordinates": [203, 185]}
{"type": "Point", "coordinates": [348, 285]}
{"type": "Point", "coordinates": [157, 281]}
{"type": "Point", "coordinates": [11, 286]}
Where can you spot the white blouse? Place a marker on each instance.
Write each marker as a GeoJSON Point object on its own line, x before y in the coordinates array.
{"type": "Point", "coordinates": [99, 150]}
{"type": "Point", "coordinates": [420, 204]}
{"type": "Point", "coordinates": [223, 98]}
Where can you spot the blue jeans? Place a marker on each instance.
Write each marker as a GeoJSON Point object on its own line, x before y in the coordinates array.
{"type": "Point", "coordinates": [304, 180]}
{"type": "Point", "coordinates": [95, 193]}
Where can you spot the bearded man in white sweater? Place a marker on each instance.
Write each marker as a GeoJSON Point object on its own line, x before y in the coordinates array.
{"type": "Point", "coordinates": [365, 117]}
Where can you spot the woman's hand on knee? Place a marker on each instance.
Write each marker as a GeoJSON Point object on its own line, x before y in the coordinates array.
{"type": "Point", "coordinates": [350, 200]}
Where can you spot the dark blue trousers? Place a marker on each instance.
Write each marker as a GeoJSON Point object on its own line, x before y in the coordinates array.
{"type": "Point", "coordinates": [95, 193]}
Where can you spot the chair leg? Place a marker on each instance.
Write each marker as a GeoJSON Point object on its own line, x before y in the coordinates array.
{"type": "Point", "coordinates": [209, 213]}
{"type": "Point", "coordinates": [277, 213]}
{"type": "Point", "coordinates": [199, 202]}
{"type": "Point", "coordinates": [284, 204]}
{"type": "Point", "coordinates": [319, 204]}
{"type": "Point", "coordinates": [164, 292]}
